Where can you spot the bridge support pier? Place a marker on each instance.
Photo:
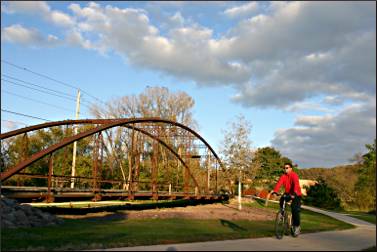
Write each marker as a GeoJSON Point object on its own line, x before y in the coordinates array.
{"type": "Point", "coordinates": [49, 196]}
{"type": "Point", "coordinates": [97, 169]}
{"type": "Point", "coordinates": [154, 171]}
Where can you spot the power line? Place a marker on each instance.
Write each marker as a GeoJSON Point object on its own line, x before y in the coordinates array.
{"type": "Point", "coordinates": [42, 75]}
{"type": "Point", "coordinates": [87, 104]}
{"type": "Point", "coordinates": [42, 87]}
{"type": "Point", "coordinates": [59, 92]}
{"type": "Point", "coordinates": [42, 91]}
{"type": "Point", "coordinates": [14, 122]}
{"type": "Point", "coordinates": [16, 113]}
{"type": "Point", "coordinates": [47, 77]}
{"type": "Point", "coordinates": [27, 98]}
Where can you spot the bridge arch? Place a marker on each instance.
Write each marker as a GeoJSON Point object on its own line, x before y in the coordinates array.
{"type": "Point", "coordinates": [106, 124]}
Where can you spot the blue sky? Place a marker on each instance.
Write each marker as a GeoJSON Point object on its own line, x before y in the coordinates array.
{"type": "Point", "coordinates": [302, 73]}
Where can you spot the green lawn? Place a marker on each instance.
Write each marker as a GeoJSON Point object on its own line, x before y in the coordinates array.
{"type": "Point", "coordinates": [310, 221]}
{"type": "Point", "coordinates": [95, 234]}
{"type": "Point", "coordinates": [370, 249]}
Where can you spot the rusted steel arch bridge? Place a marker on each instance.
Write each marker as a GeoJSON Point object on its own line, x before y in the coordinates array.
{"type": "Point", "coordinates": [179, 140]}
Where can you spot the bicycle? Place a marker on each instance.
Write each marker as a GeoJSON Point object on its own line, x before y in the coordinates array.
{"type": "Point", "coordinates": [283, 220]}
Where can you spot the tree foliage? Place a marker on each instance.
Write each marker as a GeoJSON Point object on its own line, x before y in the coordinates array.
{"type": "Point", "coordinates": [341, 178]}
{"type": "Point", "coordinates": [127, 154]}
{"type": "Point", "coordinates": [366, 184]}
{"type": "Point", "coordinates": [271, 162]}
{"type": "Point", "coordinates": [152, 102]}
{"type": "Point", "coordinates": [23, 146]}
{"type": "Point", "coordinates": [354, 184]}
{"type": "Point", "coordinates": [126, 148]}
{"type": "Point", "coordinates": [322, 195]}
{"type": "Point", "coordinates": [236, 150]}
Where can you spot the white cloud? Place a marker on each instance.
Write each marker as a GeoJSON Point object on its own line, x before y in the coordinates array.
{"type": "Point", "coordinates": [177, 19]}
{"type": "Point", "coordinates": [347, 70]}
{"type": "Point", "coordinates": [242, 10]}
{"type": "Point", "coordinates": [311, 121]}
{"type": "Point", "coordinates": [333, 100]}
{"type": "Point", "coordinates": [27, 7]}
{"type": "Point", "coordinates": [60, 18]}
{"type": "Point", "coordinates": [129, 33]}
{"type": "Point", "coordinates": [310, 106]}
{"type": "Point", "coordinates": [293, 52]}
{"type": "Point", "coordinates": [75, 38]}
{"type": "Point", "coordinates": [329, 140]}
{"type": "Point", "coordinates": [281, 58]}
{"type": "Point", "coordinates": [19, 34]}
{"type": "Point", "coordinates": [39, 8]}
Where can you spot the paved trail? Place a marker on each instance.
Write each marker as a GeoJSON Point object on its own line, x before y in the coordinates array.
{"type": "Point", "coordinates": [356, 239]}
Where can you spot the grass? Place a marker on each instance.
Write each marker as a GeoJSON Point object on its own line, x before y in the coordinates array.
{"type": "Point", "coordinates": [310, 221]}
{"type": "Point", "coordinates": [95, 234]}
{"type": "Point", "coordinates": [370, 249]}
{"type": "Point", "coordinates": [79, 234]}
{"type": "Point", "coordinates": [371, 218]}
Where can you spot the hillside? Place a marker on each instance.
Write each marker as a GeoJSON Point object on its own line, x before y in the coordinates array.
{"type": "Point", "coordinates": [341, 178]}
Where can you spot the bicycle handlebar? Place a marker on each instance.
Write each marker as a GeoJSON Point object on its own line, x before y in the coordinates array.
{"type": "Point", "coordinates": [282, 195]}
{"type": "Point", "coordinates": [277, 194]}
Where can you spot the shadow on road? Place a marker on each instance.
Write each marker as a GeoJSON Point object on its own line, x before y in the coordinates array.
{"type": "Point", "coordinates": [260, 202]}
{"type": "Point", "coordinates": [231, 225]}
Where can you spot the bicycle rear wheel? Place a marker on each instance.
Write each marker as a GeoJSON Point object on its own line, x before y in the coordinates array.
{"type": "Point", "coordinates": [280, 225]}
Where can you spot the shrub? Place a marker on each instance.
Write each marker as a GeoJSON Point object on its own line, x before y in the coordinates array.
{"type": "Point", "coordinates": [321, 195]}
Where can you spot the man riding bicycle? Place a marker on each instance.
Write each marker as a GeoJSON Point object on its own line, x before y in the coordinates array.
{"type": "Point", "coordinates": [290, 181]}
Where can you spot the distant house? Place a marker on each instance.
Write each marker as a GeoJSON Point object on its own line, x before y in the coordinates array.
{"type": "Point", "coordinates": [306, 182]}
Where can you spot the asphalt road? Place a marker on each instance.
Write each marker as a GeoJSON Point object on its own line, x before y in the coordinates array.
{"type": "Point", "coordinates": [356, 239]}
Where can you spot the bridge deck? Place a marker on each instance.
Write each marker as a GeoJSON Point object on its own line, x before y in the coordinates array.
{"type": "Point", "coordinates": [61, 194]}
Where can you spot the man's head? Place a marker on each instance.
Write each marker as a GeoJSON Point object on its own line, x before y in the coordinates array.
{"type": "Point", "coordinates": [287, 167]}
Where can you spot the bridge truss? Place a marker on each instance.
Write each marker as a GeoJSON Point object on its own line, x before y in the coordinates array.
{"type": "Point", "coordinates": [158, 158]}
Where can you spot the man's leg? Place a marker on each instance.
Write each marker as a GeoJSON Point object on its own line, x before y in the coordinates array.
{"type": "Point", "coordinates": [281, 202]}
{"type": "Point", "coordinates": [296, 207]}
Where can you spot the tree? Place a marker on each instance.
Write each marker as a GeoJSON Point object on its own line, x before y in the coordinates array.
{"type": "Point", "coordinates": [20, 147]}
{"type": "Point", "coordinates": [236, 150]}
{"type": "Point", "coordinates": [271, 163]}
{"type": "Point", "coordinates": [152, 102]}
{"type": "Point", "coordinates": [366, 184]}
{"type": "Point", "coordinates": [321, 195]}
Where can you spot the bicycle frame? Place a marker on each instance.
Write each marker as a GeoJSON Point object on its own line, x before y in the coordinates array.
{"type": "Point", "coordinates": [285, 197]}
{"type": "Point", "coordinates": [283, 219]}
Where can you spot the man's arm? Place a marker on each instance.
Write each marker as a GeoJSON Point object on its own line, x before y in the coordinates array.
{"type": "Point", "coordinates": [296, 183]}
{"type": "Point", "coordinates": [278, 185]}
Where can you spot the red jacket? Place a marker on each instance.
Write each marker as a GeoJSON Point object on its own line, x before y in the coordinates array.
{"type": "Point", "coordinates": [290, 182]}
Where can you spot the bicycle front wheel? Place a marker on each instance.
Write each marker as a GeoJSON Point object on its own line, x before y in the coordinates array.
{"type": "Point", "coordinates": [287, 223]}
{"type": "Point", "coordinates": [279, 225]}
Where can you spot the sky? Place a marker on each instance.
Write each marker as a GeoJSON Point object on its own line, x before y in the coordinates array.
{"type": "Point", "coordinates": [302, 73]}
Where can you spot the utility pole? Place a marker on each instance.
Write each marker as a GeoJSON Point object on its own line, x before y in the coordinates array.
{"type": "Point", "coordinates": [75, 143]}
{"type": "Point", "coordinates": [239, 191]}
